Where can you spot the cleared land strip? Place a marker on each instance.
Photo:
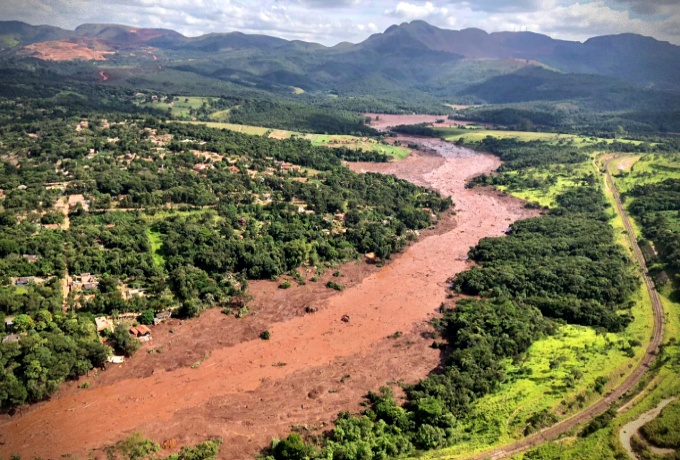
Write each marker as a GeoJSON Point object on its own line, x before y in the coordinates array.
{"type": "Point", "coordinates": [632, 380]}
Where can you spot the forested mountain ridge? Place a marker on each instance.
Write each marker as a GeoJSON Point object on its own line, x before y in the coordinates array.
{"type": "Point", "coordinates": [638, 59]}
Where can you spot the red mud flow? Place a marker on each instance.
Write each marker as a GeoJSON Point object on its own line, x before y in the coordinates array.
{"type": "Point", "coordinates": [215, 377]}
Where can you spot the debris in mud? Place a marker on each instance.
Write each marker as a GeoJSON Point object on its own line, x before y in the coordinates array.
{"type": "Point", "coordinates": [345, 318]}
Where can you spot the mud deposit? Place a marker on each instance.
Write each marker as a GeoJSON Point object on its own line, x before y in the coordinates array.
{"type": "Point", "coordinates": [215, 377]}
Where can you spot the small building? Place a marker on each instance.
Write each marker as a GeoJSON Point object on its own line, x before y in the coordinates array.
{"type": "Point", "coordinates": [25, 280]}
{"type": "Point", "coordinates": [51, 226]}
{"type": "Point", "coordinates": [30, 258]}
{"type": "Point", "coordinates": [140, 331]}
{"type": "Point", "coordinates": [103, 323]}
{"type": "Point", "coordinates": [84, 282]}
{"type": "Point", "coordinates": [90, 286]}
{"type": "Point", "coordinates": [11, 338]}
{"type": "Point", "coordinates": [9, 323]}
{"type": "Point", "coordinates": [161, 317]}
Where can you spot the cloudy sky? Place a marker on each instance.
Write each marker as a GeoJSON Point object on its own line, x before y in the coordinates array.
{"type": "Point", "coordinates": [333, 21]}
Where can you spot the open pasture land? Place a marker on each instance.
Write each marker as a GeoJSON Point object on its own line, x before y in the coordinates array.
{"type": "Point", "coordinates": [472, 134]}
{"type": "Point", "coordinates": [565, 177]}
{"type": "Point", "coordinates": [180, 107]}
{"type": "Point", "coordinates": [632, 170]}
{"type": "Point", "coordinates": [322, 140]}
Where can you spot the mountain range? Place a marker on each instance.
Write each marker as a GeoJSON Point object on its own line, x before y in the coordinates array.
{"type": "Point", "coordinates": [411, 63]}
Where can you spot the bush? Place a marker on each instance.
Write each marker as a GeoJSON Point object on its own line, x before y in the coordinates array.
{"type": "Point", "coordinates": [292, 448]}
{"type": "Point", "coordinates": [334, 285]}
{"type": "Point", "coordinates": [123, 342]}
{"type": "Point", "coordinates": [265, 335]}
{"type": "Point", "coordinates": [599, 422]}
{"type": "Point", "coordinates": [285, 285]}
{"type": "Point", "coordinates": [146, 317]}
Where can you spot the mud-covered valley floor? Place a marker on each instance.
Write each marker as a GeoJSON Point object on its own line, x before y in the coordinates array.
{"type": "Point", "coordinates": [213, 376]}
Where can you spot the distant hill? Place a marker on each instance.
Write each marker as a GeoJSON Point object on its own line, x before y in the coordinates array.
{"type": "Point", "coordinates": [408, 67]}
{"type": "Point", "coordinates": [15, 33]}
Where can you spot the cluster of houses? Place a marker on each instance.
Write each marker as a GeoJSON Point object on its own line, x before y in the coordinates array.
{"type": "Point", "coordinates": [84, 282]}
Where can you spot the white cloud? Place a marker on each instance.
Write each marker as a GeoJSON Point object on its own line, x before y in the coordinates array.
{"type": "Point", "coordinates": [412, 11]}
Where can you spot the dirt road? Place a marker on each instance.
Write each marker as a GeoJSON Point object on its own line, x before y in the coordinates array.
{"type": "Point", "coordinates": [632, 428]}
{"type": "Point", "coordinates": [212, 379]}
{"type": "Point", "coordinates": [630, 383]}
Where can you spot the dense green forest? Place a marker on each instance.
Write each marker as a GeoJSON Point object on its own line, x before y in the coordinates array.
{"type": "Point", "coordinates": [561, 267]}
{"type": "Point", "coordinates": [657, 208]}
{"type": "Point", "coordinates": [183, 213]}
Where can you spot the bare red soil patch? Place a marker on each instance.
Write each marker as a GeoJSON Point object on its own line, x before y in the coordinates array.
{"type": "Point", "coordinates": [67, 51]}
{"type": "Point", "coordinates": [384, 122]}
{"type": "Point", "coordinates": [214, 377]}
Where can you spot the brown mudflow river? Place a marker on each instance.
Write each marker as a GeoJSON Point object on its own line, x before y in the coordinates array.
{"type": "Point", "coordinates": [241, 390]}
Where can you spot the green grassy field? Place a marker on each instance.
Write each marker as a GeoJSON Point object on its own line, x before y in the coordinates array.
{"type": "Point", "coordinates": [605, 444]}
{"type": "Point", "coordinates": [664, 431]}
{"type": "Point", "coordinates": [323, 140]}
{"type": "Point", "coordinates": [477, 134]}
{"type": "Point", "coordinates": [156, 242]}
{"type": "Point", "coordinates": [631, 170]}
{"type": "Point", "coordinates": [567, 177]}
{"type": "Point", "coordinates": [180, 108]}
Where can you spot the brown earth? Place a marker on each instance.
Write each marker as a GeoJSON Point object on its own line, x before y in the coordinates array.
{"type": "Point", "coordinates": [388, 121]}
{"type": "Point", "coordinates": [65, 51]}
{"type": "Point", "coordinates": [214, 377]}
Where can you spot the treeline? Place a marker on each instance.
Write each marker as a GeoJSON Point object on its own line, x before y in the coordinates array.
{"type": "Point", "coordinates": [421, 129]}
{"type": "Point", "coordinates": [574, 117]}
{"type": "Point", "coordinates": [299, 117]}
{"type": "Point", "coordinates": [566, 264]}
{"type": "Point", "coordinates": [517, 155]}
{"type": "Point", "coordinates": [657, 208]}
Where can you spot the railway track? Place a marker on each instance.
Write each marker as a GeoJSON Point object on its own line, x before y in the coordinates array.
{"type": "Point", "coordinates": [633, 379]}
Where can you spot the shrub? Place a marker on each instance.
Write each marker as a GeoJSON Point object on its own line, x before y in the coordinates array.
{"type": "Point", "coordinates": [265, 335]}
{"type": "Point", "coordinates": [334, 285]}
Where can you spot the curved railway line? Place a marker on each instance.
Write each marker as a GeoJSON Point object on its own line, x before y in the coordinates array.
{"type": "Point", "coordinates": [633, 379]}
